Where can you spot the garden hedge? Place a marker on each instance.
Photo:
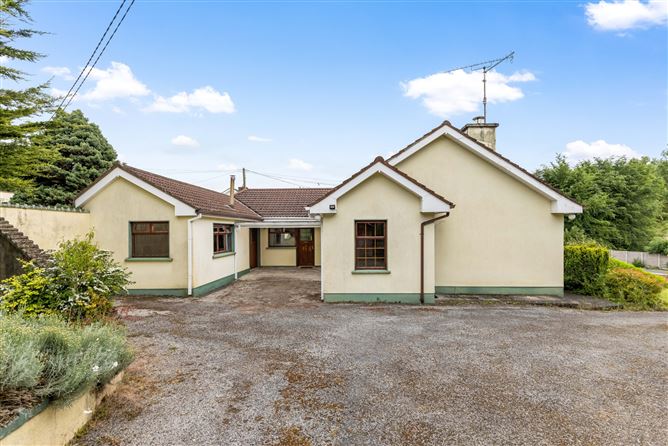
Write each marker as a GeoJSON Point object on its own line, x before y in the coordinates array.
{"type": "Point", "coordinates": [585, 267]}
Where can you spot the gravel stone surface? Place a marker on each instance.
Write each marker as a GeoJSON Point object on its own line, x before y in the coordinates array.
{"type": "Point", "coordinates": [264, 362]}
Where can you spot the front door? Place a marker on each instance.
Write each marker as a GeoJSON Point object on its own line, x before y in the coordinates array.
{"type": "Point", "coordinates": [305, 247]}
{"type": "Point", "coordinates": [254, 243]}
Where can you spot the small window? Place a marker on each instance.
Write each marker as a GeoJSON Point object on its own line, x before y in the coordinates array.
{"type": "Point", "coordinates": [370, 245]}
{"type": "Point", "coordinates": [150, 239]}
{"type": "Point", "coordinates": [223, 238]}
{"type": "Point", "coordinates": [279, 238]}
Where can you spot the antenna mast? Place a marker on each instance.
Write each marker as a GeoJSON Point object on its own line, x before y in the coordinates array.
{"type": "Point", "coordinates": [485, 67]}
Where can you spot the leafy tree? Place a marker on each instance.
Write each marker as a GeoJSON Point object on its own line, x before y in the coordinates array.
{"type": "Point", "coordinates": [624, 199]}
{"type": "Point", "coordinates": [84, 154]}
{"type": "Point", "coordinates": [19, 159]}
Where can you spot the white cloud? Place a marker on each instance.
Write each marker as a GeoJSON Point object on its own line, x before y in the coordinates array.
{"type": "Point", "coordinates": [63, 72]}
{"type": "Point", "coordinates": [627, 14]}
{"type": "Point", "coordinates": [258, 139]}
{"type": "Point", "coordinates": [227, 166]}
{"type": "Point", "coordinates": [459, 91]}
{"type": "Point", "coordinates": [579, 151]}
{"type": "Point", "coordinates": [117, 110]}
{"type": "Point", "coordinates": [115, 82]}
{"type": "Point", "coordinates": [297, 164]}
{"type": "Point", "coordinates": [185, 141]}
{"type": "Point", "coordinates": [4, 60]}
{"type": "Point", "coordinates": [206, 98]}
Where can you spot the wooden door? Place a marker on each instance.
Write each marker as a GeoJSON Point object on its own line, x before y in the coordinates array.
{"type": "Point", "coordinates": [305, 247]}
{"type": "Point", "coordinates": [254, 237]}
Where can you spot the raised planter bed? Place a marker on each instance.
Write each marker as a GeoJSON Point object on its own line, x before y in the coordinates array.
{"type": "Point", "coordinates": [51, 424]}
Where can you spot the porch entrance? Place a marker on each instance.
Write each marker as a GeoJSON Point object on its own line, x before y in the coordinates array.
{"type": "Point", "coordinates": [305, 247]}
{"type": "Point", "coordinates": [254, 249]}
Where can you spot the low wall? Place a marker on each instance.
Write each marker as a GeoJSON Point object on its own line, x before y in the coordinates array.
{"type": "Point", "coordinates": [49, 424]}
{"type": "Point", "coordinates": [650, 260]}
{"type": "Point", "coordinates": [47, 226]}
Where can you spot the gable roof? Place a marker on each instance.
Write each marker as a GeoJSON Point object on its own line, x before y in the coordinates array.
{"type": "Point", "coordinates": [431, 201]}
{"type": "Point", "coordinates": [281, 202]}
{"type": "Point", "coordinates": [560, 203]}
{"type": "Point", "coordinates": [187, 199]}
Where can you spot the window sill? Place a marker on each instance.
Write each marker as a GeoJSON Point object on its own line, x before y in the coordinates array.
{"type": "Point", "coordinates": [370, 271]}
{"type": "Point", "coordinates": [223, 254]}
{"type": "Point", "coordinates": [149, 259]}
{"type": "Point", "coordinates": [281, 247]}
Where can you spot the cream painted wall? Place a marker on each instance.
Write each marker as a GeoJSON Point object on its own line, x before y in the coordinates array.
{"type": "Point", "coordinates": [47, 227]}
{"type": "Point", "coordinates": [207, 267]}
{"type": "Point", "coordinates": [316, 247]}
{"type": "Point", "coordinates": [284, 256]}
{"type": "Point", "coordinates": [501, 233]}
{"type": "Point", "coordinates": [275, 256]}
{"type": "Point", "coordinates": [120, 203]}
{"type": "Point", "coordinates": [401, 209]}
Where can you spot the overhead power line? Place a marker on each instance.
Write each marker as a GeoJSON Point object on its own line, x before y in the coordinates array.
{"type": "Point", "coordinates": [92, 54]}
{"type": "Point", "coordinates": [89, 68]}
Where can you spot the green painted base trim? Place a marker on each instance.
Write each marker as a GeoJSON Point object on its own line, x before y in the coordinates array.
{"type": "Point", "coordinates": [505, 290]}
{"type": "Point", "coordinates": [219, 283]}
{"type": "Point", "coordinates": [400, 298]}
{"type": "Point", "coordinates": [149, 259]}
{"type": "Point", "coordinates": [243, 273]}
{"type": "Point", "coordinates": [223, 254]}
{"type": "Point", "coordinates": [22, 419]}
{"type": "Point", "coordinates": [370, 271]}
{"type": "Point", "coordinates": [171, 292]}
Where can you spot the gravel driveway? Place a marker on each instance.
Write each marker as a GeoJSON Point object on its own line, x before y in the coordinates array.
{"type": "Point", "coordinates": [264, 362]}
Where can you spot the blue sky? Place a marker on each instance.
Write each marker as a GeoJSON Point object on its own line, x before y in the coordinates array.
{"type": "Point", "coordinates": [315, 90]}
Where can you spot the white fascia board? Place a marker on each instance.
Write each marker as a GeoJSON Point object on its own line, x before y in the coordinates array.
{"type": "Point", "coordinates": [429, 202]}
{"type": "Point", "coordinates": [279, 223]}
{"type": "Point", "coordinates": [180, 208]}
{"type": "Point", "coordinates": [560, 204]}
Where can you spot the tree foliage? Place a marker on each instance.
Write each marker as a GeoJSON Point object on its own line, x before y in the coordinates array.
{"type": "Point", "coordinates": [83, 154]}
{"type": "Point", "coordinates": [624, 199]}
{"type": "Point", "coordinates": [19, 108]}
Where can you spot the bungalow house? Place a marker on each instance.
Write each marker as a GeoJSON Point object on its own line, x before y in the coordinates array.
{"type": "Point", "coordinates": [445, 215]}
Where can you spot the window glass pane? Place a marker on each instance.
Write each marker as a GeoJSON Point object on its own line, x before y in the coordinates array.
{"type": "Point", "coordinates": [141, 227]}
{"type": "Point", "coordinates": [150, 239]}
{"type": "Point", "coordinates": [223, 238]}
{"type": "Point", "coordinates": [160, 227]}
{"type": "Point", "coordinates": [370, 240]}
{"type": "Point", "coordinates": [306, 235]}
{"type": "Point", "coordinates": [281, 237]}
{"type": "Point", "coordinates": [150, 245]}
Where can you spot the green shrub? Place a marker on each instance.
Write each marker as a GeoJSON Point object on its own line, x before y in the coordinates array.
{"type": "Point", "coordinates": [638, 263]}
{"type": "Point", "coordinates": [78, 281]}
{"type": "Point", "coordinates": [658, 246]}
{"type": "Point", "coordinates": [634, 289]}
{"type": "Point", "coordinates": [585, 267]}
{"type": "Point", "coordinates": [616, 263]}
{"type": "Point", "coordinates": [32, 293]}
{"type": "Point", "coordinates": [57, 360]}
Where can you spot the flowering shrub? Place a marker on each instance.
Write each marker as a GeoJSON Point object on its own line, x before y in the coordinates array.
{"type": "Point", "coordinates": [56, 360]}
{"type": "Point", "coordinates": [77, 281]}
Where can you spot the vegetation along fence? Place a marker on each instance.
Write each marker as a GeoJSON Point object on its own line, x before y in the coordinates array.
{"type": "Point", "coordinates": [649, 260]}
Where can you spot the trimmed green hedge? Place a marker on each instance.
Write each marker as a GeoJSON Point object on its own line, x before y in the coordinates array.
{"type": "Point", "coordinates": [585, 267]}
{"type": "Point", "coordinates": [634, 288]}
{"type": "Point", "coordinates": [588, 269]}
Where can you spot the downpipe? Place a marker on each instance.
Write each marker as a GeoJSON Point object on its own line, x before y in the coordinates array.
{"type": "Point", "coordinates": [190, 253]}
{"type": "Point", "coordinates": [422, 225]}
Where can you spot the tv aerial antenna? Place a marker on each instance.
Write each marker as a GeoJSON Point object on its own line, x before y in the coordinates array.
{"type": "Point", "coordinates": [486, 66]}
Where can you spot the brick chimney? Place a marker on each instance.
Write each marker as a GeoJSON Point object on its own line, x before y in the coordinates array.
{"type": "Point", "coordinates": [231, 190]}
{"type": "Point", "coordinates": [483, 132]}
